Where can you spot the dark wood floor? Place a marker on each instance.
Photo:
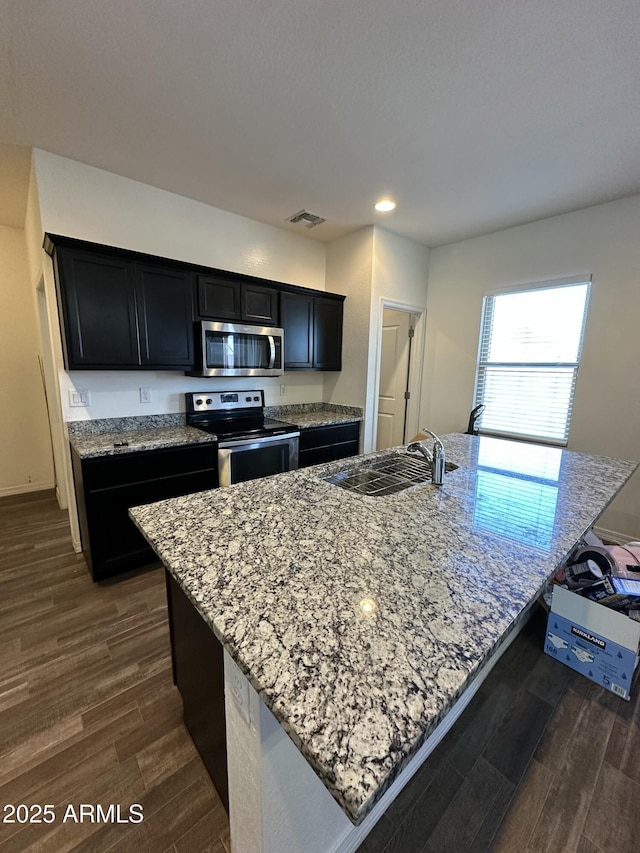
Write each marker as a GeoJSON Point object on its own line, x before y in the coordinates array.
{"type": "Point", "coordinates": [88, 711]}
{"type": "Point", "coordinates": [542, 760]}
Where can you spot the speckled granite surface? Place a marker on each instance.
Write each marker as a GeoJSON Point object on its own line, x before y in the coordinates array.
{"type": "Point", "coordinates": [131, 440]}
{"type": "Point", "coordinates": [77, 429]}
{"type": "Point", "coordinates": [306, 415]}
{"type": "Point", "coordinates": [152, 432]}
{"type": "Point", "coordinates": [280, 567]}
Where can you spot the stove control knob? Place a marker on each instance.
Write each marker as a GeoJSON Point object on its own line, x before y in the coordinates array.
{"type": "Point", "coordinates": [248, 399]}
{"type": "Point", "coordinates": [198, 402]}
{"type": "Point", "coordinates": [209, 401]}
{"type": "Point", "coordinates": [256, 399]}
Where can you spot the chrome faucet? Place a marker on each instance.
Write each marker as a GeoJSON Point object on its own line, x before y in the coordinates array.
{"type": "Point", "coordinates": [436, 457]}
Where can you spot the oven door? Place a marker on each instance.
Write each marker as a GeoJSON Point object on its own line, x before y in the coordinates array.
{"type": "Point", "coordinates": [247, 459]}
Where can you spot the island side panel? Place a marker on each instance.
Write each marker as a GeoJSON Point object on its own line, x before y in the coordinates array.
{"type": "Point", "coordinates": [276, 801]}
{"type": "Point", "coordinates": [198, 671]}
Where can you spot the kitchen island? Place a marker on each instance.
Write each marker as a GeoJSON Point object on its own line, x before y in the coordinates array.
{"type": "Point", "coordinates": [364, 624]}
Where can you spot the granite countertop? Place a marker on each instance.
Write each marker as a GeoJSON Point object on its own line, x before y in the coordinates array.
{"type": "Point", "coordinates": [115, 436]}
{"type": "Point", "coordinates": [306, 420]}
{"type": "Point", "coordinates": [151, 438]}
{"type": "Point", "coordinates": [280, 568]}
{"type": "Point", "coordinates": [307, 415]}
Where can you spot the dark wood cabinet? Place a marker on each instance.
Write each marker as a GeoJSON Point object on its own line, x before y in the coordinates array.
{"type": "Point", "coordinates": [327, 333]}
{"type": "Point", "coordinates": [124, 310]}
{"type": "Point", "coordinates": [98, 300]}
{"type": "Point", "coordinates": [118, 313]}
{"type": "Point", "coordinates": [107, 486]}
{"type": "Point", "coordinates": [198, 673]}
{"type": "Point", "coordinates": [165, 312]}
{"type": "Point", "coordinates": [328, 443]}
{"type": "Point", "coordinates": [259, 304]}
{"type": "Point", "coordinates": [225, 297]}
{"type": "Point", "coordinates": [312, 331]}
{"type": "Point", "coordinates": [297, 322]}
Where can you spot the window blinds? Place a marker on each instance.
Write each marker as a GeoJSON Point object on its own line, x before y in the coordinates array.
{"type": "Point", "coordinates": [528, 357]}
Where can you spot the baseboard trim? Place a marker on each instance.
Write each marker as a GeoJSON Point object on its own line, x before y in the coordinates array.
{"type": "Point", "coordinates": [615, 535]}
{"type": "Point", "coordinates": [25, 488]}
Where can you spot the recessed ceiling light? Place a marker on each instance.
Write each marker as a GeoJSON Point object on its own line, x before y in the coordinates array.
{"type": "Point", "coordinates": [384, 205]}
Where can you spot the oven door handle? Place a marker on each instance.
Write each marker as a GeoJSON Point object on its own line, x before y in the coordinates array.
{"type": "Point", "coordinates": [272, 351]}
{"type": "Point", "coordinates": [254, 443]}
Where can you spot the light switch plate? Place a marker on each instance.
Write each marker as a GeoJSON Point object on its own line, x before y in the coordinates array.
{"type": "Point", "coordinates": [79, 397]}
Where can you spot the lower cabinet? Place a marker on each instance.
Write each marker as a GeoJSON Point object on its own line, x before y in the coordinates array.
{"type": "Point", "coordinates": [198, 673]}
{"type": "Point", "coordinates": [328, 443]}
{"type": "Point", "coordinates": [107, 486]}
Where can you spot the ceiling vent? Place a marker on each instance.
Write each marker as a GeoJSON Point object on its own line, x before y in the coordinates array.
{"type": "Point", "coordinates": [309, 220]}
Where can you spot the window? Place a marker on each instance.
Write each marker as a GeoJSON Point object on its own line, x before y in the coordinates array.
{"type": "Point", "coordinates": [530, 345]}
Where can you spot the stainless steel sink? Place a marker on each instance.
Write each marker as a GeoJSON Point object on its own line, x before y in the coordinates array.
{"type": "Point", "coordinates": [386, 476]}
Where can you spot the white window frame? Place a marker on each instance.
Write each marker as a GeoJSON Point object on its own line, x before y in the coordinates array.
{"type": "Point", "coordinates": [519, 288]}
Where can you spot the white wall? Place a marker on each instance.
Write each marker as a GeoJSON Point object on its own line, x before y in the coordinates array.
{"type": "Point", "coordinates": [349, 271]}
{"type": "Point", "coordinates": [603, 240]}
{"type": "Point", "coordinates": [26, 463]}
{"type": "Point", "coordinates": [87, 203]}
{"type": "Point", "coordinates": [400, 276]}
{"type": "Point", "coordinates": [76, 200]}
{"type": "Point", "coordinates": [369, 266]}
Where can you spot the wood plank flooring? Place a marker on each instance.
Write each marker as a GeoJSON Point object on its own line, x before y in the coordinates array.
{"type": "Point", "coordinates": [88, 711]}
{"type": "Point", "coordinates": [542, 761]}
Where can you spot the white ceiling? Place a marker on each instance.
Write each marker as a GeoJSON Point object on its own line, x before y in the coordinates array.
{"type": "Point", "coordinates": [473, 114]}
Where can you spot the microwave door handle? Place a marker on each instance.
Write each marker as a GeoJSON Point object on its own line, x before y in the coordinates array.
{"type": "Point", "coordinates": [272, 351]}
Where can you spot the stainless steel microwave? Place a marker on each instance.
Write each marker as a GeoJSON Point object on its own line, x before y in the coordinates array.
{"type": "Point", "coordinates": [231, 349]}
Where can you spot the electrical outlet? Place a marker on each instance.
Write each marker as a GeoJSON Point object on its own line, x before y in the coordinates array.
{"type": "Point", "coordinates": [283, 390]}
{"type": "Point", "coordinates": [240, 692]}
{"type": "Point", "coordinates": [79, 397]}
{"type": "Point", "coordinates": [145, 394]}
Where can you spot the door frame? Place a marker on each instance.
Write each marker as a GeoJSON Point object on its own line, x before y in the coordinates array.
{"type": "Point", "coordinates": [416, 361]}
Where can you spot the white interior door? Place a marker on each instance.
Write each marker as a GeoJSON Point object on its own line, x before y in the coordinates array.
{"type": "Point", "coordinates": [394, 374]}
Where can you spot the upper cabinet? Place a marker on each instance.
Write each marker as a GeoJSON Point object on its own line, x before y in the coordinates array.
{"type": "Point", "coordinates": [124, 310]}
{"type": "Point", "coordinates": [225, 297]}
{"type": "Point", "coordinates": [165, 316]}
{"type": "Point", "coordinates": [117, 313]}
{"type": "Point", "coordinates": [327, 333]}
{"type": "Point", "coordinates": [297, 322]}
{"type": "Point", "coordinates": [312, 331]}
{"type": "Point", "coordinates": [99, 317]}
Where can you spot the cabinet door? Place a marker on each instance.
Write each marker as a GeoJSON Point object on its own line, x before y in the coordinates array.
{"type": "Point", "coordinates": [327, 334]}
{"type": "Point", "coordinates": [116, 543]}
{"type": "Point", "coordinates": [97, 293]}
{"type": "Point", "coordinates": [107, 486]}
{"type": "Point", "coordinates": [218, 298]}
{"type": "Point", "coordinates": [326, 444]}
{"type": "Point", "coordinates": [198, 672]}
{"type": "Point", "coordinates": [297, 322]}
{"type": "Point", "coordinates": [165, 316]}
{"type": "Point", "coordinates": [259, 304]}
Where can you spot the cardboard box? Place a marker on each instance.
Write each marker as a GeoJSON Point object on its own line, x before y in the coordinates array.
{"type": "Point", "coordinates": [594, 640]}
